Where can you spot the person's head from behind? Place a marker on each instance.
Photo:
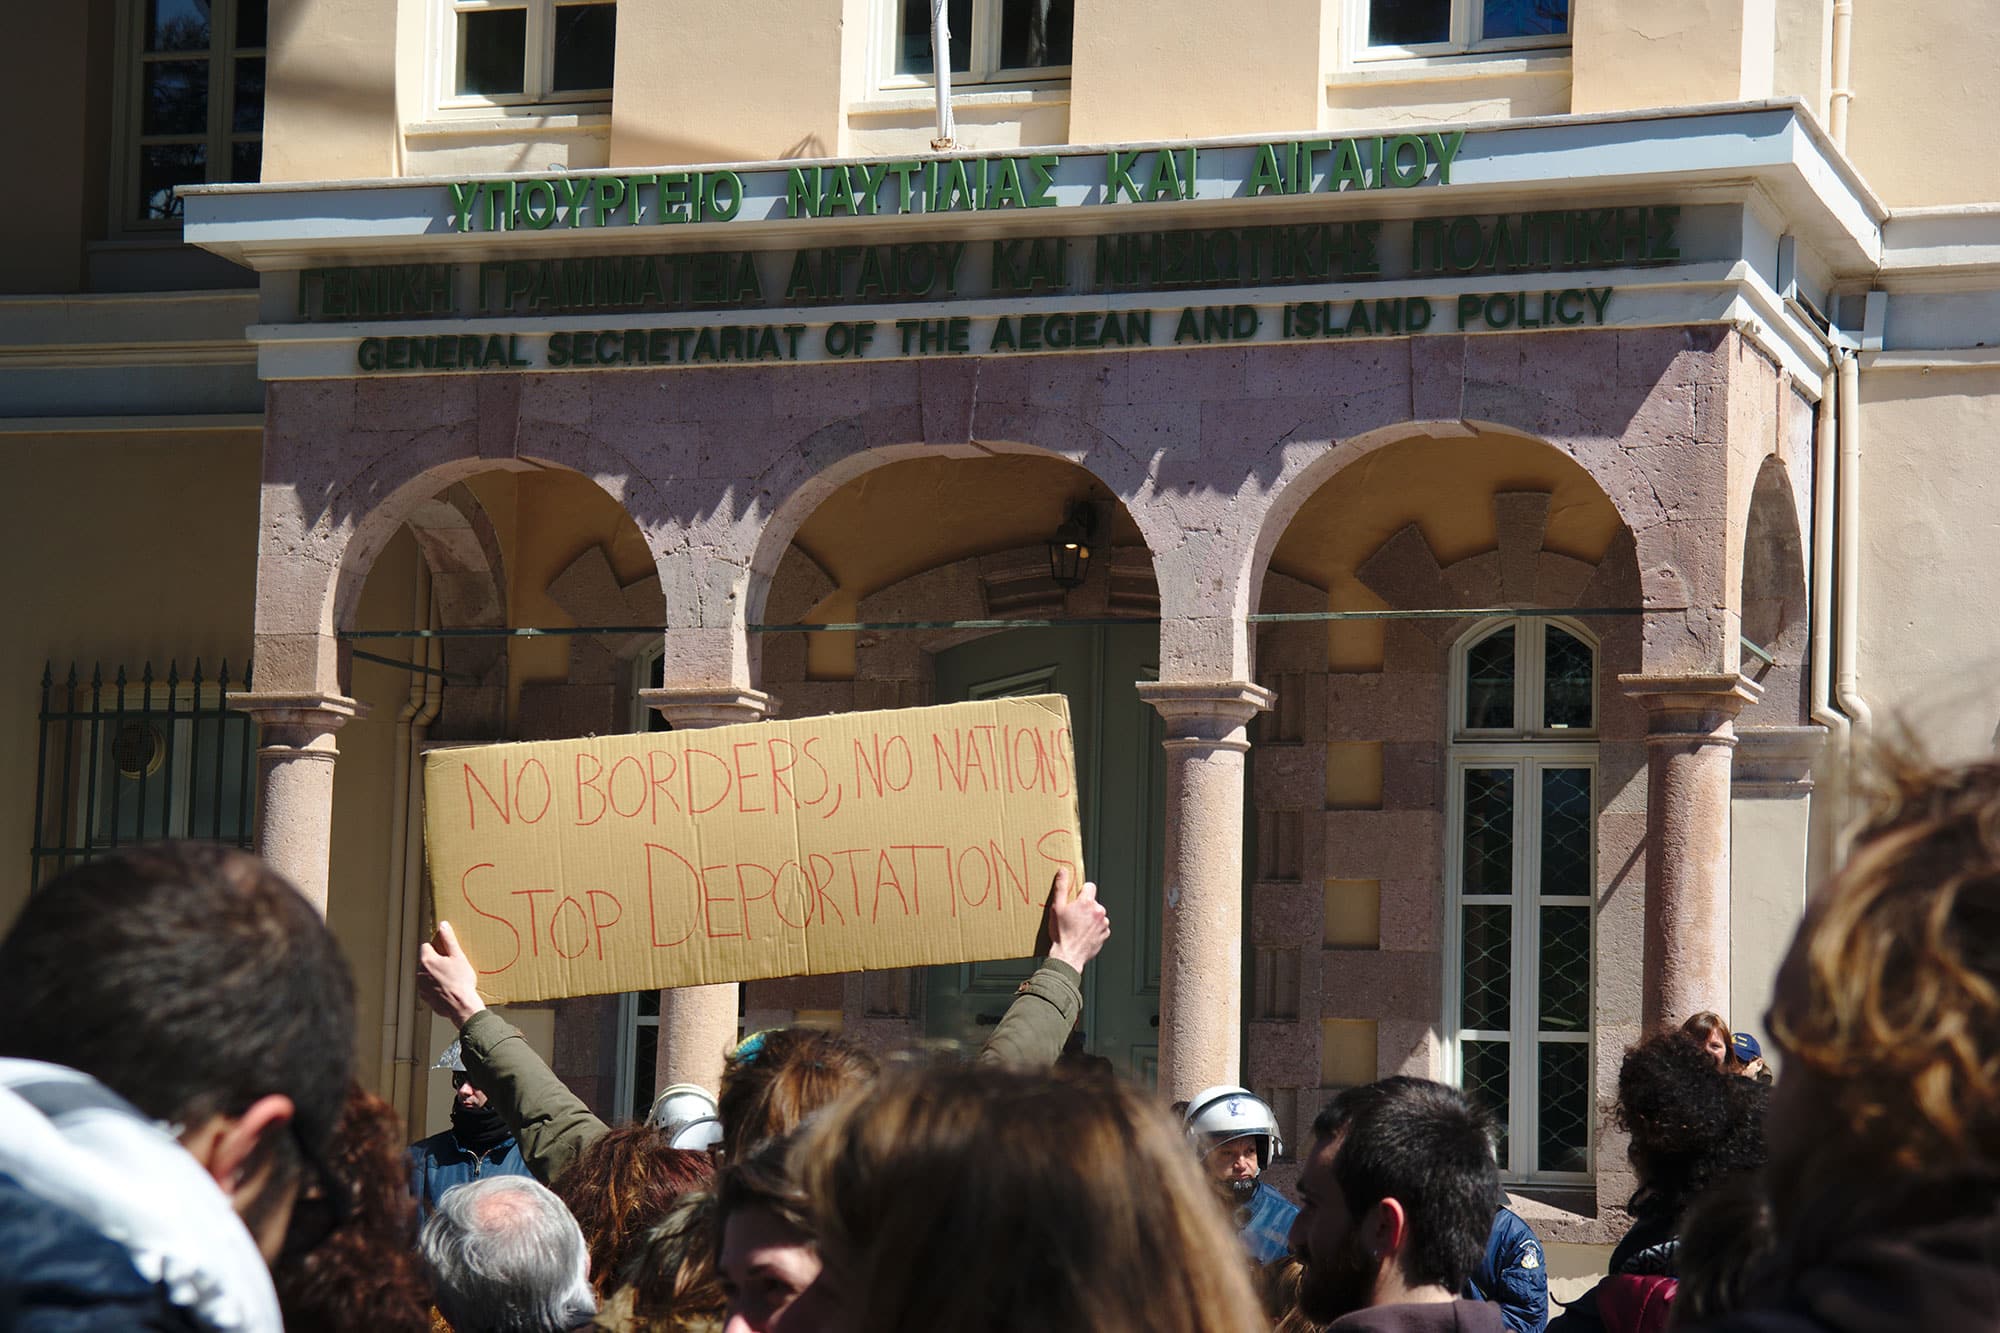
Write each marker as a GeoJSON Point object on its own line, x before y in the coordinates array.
{"type": "Point", "coordinates": [506, 1257]}
{"type": "Point", "coordinates": [988, 1199]}
{"type": "Point", "coordinates": [671, 1272]}
{"type": "Point", "coordinates": [1398, 1195]}
{"type": "Point", "coordinates": [195, 982]}
{"type": "Point", "coordinates": [622, 1184]}
{"type": "Point", "coordinates": [1887, 1008]}
{"type": "Point", "coordinates": [767, 1251]}
{"type": "Point", "coordinates": [347, 1261]}
{"type": "Point", "coordinates": [1691, 1124]}
{"type": "Point", "coordinates": [773, 1080]}
{"type": "Point", "coordinates": [1711, 1032]}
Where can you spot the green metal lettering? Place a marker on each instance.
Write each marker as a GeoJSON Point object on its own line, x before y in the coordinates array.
{"type": "Point", "coordinates": [1043, 167]}
{"type": "Point", "coordinates": [1347, 173]}
{"type": "Point", "coordinates": [1007, 189]}
{"type": "Point", "coordinates": [902, 171]}
{"type": "Point", "coordinates": [673, 196]}
{"type": "Point", "coordinates": [1444, 151]}
{"type": "Point", "coordinates": [1118, 169]}
{"type": "Point", "coordinates": [801, 200]}
{"type": "Point", "coordinates": [1400, 176]}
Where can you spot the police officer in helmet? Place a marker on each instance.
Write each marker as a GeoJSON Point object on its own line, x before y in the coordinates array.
{"type": "Point", "coordinates": [1237, 1137]}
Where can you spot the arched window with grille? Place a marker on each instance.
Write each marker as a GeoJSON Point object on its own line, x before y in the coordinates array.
{"type": "Point", "coordinates": [1520, 880]}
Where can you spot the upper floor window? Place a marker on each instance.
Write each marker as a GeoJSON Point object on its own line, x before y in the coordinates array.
{"type": "Point", "coordinates": [193, 104]}
{"type": "Point", "coordinates": [506, 53]}
{"type": "Point", "coordinates": [1520, 887]}
{"type": "Point", "coordinates": [991, 41]}
{"type": "Point", "coordinates": [1447, 27]}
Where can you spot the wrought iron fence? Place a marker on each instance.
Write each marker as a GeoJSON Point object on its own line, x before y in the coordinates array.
{"type": "Point", "coordinates": [137, 758]}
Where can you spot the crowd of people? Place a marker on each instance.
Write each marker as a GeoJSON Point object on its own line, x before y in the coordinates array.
{"type": "Point", "coordinates": [183, 1146]}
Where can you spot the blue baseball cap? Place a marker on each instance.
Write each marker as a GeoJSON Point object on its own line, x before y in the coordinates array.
{"type": "Point", "coordinates": [1746, 1047]}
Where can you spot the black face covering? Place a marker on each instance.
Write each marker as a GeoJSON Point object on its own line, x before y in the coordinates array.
{"type": "Point", "coordinates": [478, 1128]}
{"type": "Point", "coordinates": [1241, 1191]}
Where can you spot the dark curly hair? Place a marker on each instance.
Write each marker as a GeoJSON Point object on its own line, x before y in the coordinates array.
{"type": "Point", "coordinates": [1691, 1124]}
{"type": "Point", "coordinates": [621, 1186]}
{"type": "Point", "coordinates": [364, 1272]}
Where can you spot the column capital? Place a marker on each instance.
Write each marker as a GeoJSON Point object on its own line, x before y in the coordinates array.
{"type": "Point", "coordinates": [1693, 706]}
{"type": "Point", "coordinates": [689, 707]}
{"type": "Point", "coordinates": [1776, 761]}
{"type": "Point", "coordinates": [1207, 712]}
{"type": "Point", "coordinates": [296, 720]}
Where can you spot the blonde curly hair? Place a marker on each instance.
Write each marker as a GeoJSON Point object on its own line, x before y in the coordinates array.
{"type": "Point", "coordinates": [1889, 1001]}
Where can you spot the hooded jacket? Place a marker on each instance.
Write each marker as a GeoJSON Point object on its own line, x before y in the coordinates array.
{"type": "Point", "coordinates": [107, 1222]}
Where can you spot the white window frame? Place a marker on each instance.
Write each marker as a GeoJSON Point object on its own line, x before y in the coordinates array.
{"type": "Point", "coordinates": [1525, 749]}
{"type": "Point", "coordinates": [536, 95]}
{"type": "Point", "coordinates": [986, 70]}
{"type": "Point", "coordinates": [128, 108]}
{"type": "Point", "coordinates": [1466, 38]}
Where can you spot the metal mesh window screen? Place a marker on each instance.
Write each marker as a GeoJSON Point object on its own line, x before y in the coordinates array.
{"type": "Point", "coordinates": [138, 757]}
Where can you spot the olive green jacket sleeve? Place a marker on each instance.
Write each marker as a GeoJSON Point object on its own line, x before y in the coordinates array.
{"type": "Point", "coordinates": [550, 1122]}
{"type": "Point", "coordinates": [1032, 1031]}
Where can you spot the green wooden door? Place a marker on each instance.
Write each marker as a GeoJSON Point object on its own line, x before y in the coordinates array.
{"type": "Point", "coordinates": [1123, 800]}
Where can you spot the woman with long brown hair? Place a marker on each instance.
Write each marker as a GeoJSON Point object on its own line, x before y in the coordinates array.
{"type": "Point", "coordinates": [1884, 1176]}
{"type": "Point", "coordinates": [981, 1200]}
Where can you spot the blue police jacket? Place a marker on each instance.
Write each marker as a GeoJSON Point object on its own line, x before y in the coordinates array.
{"type": "Point", "coordinates": [1514, 1275]}
{"type": "Point", "coordinates": [1267, 1223]}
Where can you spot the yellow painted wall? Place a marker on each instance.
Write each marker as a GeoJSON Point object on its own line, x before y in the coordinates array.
{"type": "Point", "coordinates": [720, 81]}
{"type": "Point", "coordinates": [140, 546]}
{"type": "Point", "coordinates": [330, 110]}
{"type": "Point", "coordinates": [1165, 69]}
{"type": "Point", "coordinates": [1923, 89]}
{"type": "Point", "coordinates": [1929, 546]}
{"type": "Point", "coordinates": [1636, 54]}
{"type": "Point", "coordinates": [1803, 65]}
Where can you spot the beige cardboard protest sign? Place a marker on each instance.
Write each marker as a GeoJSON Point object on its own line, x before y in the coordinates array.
{"type": "Point", "coordinates": [863, 840]}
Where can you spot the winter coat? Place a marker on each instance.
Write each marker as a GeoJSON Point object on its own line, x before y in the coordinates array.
{"type": "Point", "coordinates": [1514, 1274]}
{"type": "Point", "coordinates": [106, 1221]}
{"type": "Point", "coordinates": [1638, 1291]}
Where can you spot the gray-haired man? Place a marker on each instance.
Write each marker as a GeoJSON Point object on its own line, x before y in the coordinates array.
{"type": "Point", "coordinates": [508, 1258]}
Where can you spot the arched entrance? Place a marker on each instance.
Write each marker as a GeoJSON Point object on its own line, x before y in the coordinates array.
{"type": "Point", "coordinates": [1463, 808]}
{"type": "Point", "coordinates": [934, 556]}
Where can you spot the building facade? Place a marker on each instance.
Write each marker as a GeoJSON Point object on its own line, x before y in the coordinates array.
{"type": "Point", "coordinates": [1514, 452]}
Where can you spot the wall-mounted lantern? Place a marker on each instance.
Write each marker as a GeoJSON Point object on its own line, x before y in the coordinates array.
{"type": "Point", "coordinates": [1069, 549]}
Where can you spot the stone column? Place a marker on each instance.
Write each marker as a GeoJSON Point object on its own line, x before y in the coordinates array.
{"type": "Point", "coordinates": [1201, 938]}
{"type": "Point", "coordinates": [1690, 734]}
{"type": "Point", "coordinates": [698, 1023]}
{"type": "Point", "coordinates": [295, 755]}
